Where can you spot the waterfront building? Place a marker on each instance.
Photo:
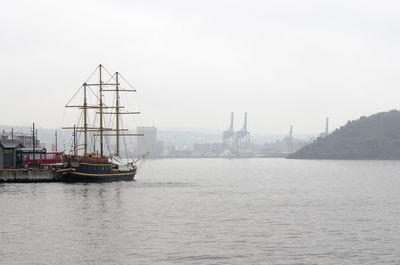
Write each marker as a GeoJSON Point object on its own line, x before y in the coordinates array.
{"type": "Point", "coordinates": [9, 157]}
{"type": "Point", "coordinates": [148, 142]}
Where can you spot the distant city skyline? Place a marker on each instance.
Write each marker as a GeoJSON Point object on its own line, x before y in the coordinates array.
{"type": "Point", "coordinates": [214, 134]}
{"type": "Point", "coordinates": [194, 62]}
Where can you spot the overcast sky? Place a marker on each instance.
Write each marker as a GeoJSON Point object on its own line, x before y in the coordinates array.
{"type": "Point", "coordinates": [193, 62]}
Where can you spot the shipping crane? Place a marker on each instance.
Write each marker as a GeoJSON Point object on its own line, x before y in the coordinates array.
{"type": "Point", "coordinates": [229, 135]}
{"type": "Point", "coordinates": [242, 138]}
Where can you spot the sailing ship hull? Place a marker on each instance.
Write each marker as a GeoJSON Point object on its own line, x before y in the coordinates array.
{"type": "Point", "coordinates": [94, 172]}
{"type": "Point", "coordinates": [85, 177]}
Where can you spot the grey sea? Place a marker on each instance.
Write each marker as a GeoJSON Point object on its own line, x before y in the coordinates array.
{"type": "Point", "coordinates": [210, 211]}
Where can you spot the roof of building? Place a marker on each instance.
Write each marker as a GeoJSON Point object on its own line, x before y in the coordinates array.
{"type": "Point", "coordinates": [30, 150]}
{"type": "Point", "coordinates": [11, 145]}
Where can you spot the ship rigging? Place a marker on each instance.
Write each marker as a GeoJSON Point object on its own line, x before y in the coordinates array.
{"type": "Point", "coordinates": [92, 165]}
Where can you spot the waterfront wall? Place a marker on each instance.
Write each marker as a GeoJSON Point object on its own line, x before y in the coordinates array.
{"type": "Point", "coordinates": [28, 175]}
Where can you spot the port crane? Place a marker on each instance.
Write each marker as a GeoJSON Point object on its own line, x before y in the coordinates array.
{"type": "Point", "coordinates": [242, 138]}
{"type": "Point", "coordinates": [229, 134]}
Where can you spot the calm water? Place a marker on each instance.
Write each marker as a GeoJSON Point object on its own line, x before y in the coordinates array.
{"type": "Point", "coordinates": [211, 211]}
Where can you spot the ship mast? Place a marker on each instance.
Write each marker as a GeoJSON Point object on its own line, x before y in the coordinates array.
{"type": "Point", "coordinates": [101, 112]}
{"type": "Point", "coordinates": [85, 117]}
{"type": "Point", "coordinates": [101, 129]}
{"type": "Point", "coordinates": [117, 111]}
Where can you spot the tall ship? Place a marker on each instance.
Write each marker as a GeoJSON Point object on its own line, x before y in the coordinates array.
{"type": "Point", "coordinates": [88, 160]}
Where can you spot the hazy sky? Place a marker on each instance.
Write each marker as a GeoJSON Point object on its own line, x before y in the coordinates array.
{"type": "Point", "coordinates": [193, 62]}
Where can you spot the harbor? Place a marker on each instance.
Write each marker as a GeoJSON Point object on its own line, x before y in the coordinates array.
{"type": "Point", "coordinates": [23, 160]}
{"type": "Point", "coordinates": [199, 132]}
{"type": "Point", "coordinates": [28, 161]}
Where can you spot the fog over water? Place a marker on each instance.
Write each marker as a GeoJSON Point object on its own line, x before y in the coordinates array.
{"type": "Point", "coordinates": [210, 211]}
{"type": "Point", "coordinates": [193, 62]}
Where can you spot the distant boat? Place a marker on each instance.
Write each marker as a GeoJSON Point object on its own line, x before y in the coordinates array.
{"type": "Point", "coordinates": [94, 166]}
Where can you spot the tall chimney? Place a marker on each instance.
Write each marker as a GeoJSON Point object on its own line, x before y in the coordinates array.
{"type": "Point", "coordinates": [231, 128]}
{"type": "Point", "coordinates": [327, 126]}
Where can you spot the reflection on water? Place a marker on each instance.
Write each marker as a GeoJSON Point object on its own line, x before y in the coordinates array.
{"type": "Point", "coordinates": [210, 211]}
{"type": "Point", "coordinates": [168, 184]}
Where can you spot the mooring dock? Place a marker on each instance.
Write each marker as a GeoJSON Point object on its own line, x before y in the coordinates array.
{"type": "Point", "coordinates": [28, 175]}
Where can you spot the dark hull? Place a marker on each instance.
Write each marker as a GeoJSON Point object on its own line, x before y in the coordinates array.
{"type": "Point", "coordinates": [95, 172]}
{"type": "Point", "coordinates": [84, 177]}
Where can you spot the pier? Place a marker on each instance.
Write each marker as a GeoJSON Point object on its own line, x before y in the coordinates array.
{"type": "Point", "coordinates": [28, 175]}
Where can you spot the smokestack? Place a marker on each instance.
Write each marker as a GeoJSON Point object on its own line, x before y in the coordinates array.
{"type": "Point", "coordinates": [245, 121]}
{"type": "Point", "coordinates": [231, 128]}
{"type": "Point", "coordinates": [327, 126]}
{"type": "Point", "coordinates": [291, 131]}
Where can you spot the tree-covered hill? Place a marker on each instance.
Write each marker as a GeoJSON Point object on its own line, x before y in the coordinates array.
{"type": "Point", "coordinates": [373, 137]}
